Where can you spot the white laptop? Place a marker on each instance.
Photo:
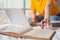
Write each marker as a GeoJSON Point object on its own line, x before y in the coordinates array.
{"type": "Point", "coordinates": [17, 17]}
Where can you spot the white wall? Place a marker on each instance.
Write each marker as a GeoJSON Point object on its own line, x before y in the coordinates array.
{"type": "Point", "coordinates": [1, 4]}
{"type": "Point", "coordinates": [11, 4]}
{"type": "Point", "coordinates": [27, 4]}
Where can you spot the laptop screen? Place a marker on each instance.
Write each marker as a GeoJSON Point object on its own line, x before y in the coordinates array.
{"type": "Point", "coordinates": [17, 17]}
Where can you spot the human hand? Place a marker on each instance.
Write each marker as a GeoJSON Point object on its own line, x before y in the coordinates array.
{"type": "Point", "coordinates": [33, 20]}
{"type": "Point", "coordinates": [44, 23]}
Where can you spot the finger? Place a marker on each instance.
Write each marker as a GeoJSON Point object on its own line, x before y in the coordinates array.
{"type": "Point", "coordinates": [48, 22]}
{"type": "Point", "coordinates": [42, 25]}
{"type": "Point", "coordinates": [45, 20]}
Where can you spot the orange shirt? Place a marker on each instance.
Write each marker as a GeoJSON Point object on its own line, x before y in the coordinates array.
{"type": "Point", "coordinates": [39, 6]}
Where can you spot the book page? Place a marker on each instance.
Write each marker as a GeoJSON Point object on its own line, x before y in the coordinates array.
{"type": "Point", "coordinates": [40, 33]}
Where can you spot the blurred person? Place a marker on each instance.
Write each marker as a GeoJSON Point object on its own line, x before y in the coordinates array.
{"type": "Point", "coordinates": [47, 9]}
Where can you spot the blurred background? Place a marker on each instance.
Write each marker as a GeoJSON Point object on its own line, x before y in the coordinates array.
{"type": "Point", "coordinates": [23, 5]}
{"type": "Point", "coordinates": [15, 7]}
{"type": "Point", "coordinates": [18, 4]}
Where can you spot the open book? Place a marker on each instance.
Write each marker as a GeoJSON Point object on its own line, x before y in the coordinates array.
{"type": "Point", "coordinates": [38, 34]}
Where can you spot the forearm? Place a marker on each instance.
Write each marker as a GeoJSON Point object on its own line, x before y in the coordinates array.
{"type": "Point", "coordinates": [47, 11]}
{"type": "Point", "coordinates": [33, 14]}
